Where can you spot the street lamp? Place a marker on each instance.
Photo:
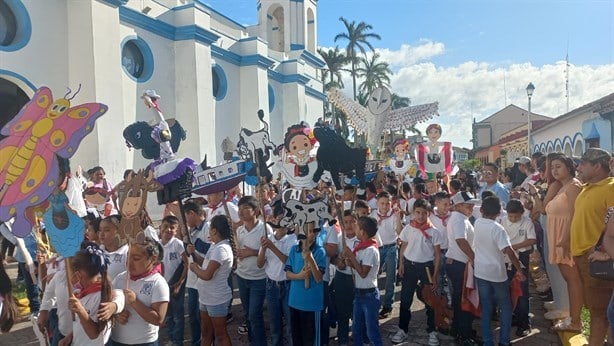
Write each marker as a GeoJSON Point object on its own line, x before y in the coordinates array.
{"type": "Point", "coordinates": [530, 89]}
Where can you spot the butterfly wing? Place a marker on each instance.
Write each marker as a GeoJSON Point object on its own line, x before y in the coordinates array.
{"type": "Point", "coordinates": [356, 114]}
{"type": "Point", "coordinates": [30, 113]}
{"type": "Point", "coordinates": [70, 129]}
{"type": "Point", "coordinates": [409, 116]}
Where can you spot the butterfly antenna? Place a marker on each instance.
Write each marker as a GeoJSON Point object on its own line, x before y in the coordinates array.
{"type": "Point", "coordinates": [68, 93]}
{"type": "Point", "coordinates": [75, 94]}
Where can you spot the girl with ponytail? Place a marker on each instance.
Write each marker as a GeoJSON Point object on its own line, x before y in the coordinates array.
{"type": "Point", "coordinates": [90, 273]}
{"type": "Point", "coordinates": [213, 289]}
{"type": "Point", "coordinates": [147, 296]}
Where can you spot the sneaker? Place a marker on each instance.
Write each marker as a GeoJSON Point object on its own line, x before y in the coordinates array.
{"type": "Point", "coordinates": [242, 329]}
{"type": "Point", "coordinates": [385, 313]}
{"type": "Point", "coordinates": [522, 331]}
{"type": "Point", "coordinates": [399, 336]}
{"type": "Point", "coordinates": [229, 317]}
{"type": "Point", "coordinates": [433, 339]}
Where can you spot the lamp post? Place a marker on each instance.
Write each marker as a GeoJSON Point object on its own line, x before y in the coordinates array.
{"type": "Point", "coordinates": [530, 89]}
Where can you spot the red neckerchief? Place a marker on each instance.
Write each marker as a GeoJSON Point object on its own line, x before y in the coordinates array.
{"type": "Point", "coordinates": [381, 217]}
{"type": "Point", "coordinates": [156, 269]}
{"type": "Point", "coordinates": [444, 219]}
{"type": "Point", "coordinates": [93, 288]}
{"type": "Point", "coordinates": [422, 227]}
{"type": "Point", "coordinates": [363, 244]}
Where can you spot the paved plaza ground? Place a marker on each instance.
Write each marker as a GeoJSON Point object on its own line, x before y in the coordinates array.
{"type": "Point", "coordinates": [541, 335]}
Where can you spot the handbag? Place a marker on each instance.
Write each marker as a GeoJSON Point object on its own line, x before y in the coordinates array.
{"type": "Point", "coordinates": [603, 270]}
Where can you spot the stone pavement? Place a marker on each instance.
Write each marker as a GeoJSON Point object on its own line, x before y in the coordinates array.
{"type": "Point", "coordinates": [22, 333]}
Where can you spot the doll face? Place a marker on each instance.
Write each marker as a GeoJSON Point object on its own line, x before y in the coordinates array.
{"type": "Point", "coordinates": [400, 151]}
{"type": "Point", "coordinates": [299, 146]}
{"type": "Point", "coordinates": [131, 206]}
{"type": "Point", "coordinates": [434, 134]}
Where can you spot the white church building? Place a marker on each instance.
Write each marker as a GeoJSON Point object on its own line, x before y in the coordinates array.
{"type": "Point", "coordinates": [212, 73]}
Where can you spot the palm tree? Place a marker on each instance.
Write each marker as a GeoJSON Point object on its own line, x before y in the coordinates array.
{"type": "Point", "coordinates": [335, 62]}
{"type": "Point", "coordinates": [357, 37]}
{"type": "Point", "coordinates": [331, 77]}
{"type": "Point", "coordinates": [400, 101]}
{"type": "Point", "coordinates": [375, 74]}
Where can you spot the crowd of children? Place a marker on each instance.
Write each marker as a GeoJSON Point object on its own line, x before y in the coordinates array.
{"type": "Point", "coordinates": [437, 238]}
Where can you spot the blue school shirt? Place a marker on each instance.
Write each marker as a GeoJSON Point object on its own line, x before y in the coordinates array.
{"type": "Point", "coordinates": [311, 299]}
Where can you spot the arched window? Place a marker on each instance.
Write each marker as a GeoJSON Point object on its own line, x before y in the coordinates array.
{"type": "Point", "coordinates": [15, 26]}
{"type": "Point", "coordinates": [137, 59]}
{"type": "Point", "coordinates": [12, 99]}
{"type": "Point", "coordinates": [271, 99]}
{"type": "Point", "coordinates": [275, 28]}
{"type": "Point", "coordinates": [311, 31]}
{"type": "Point", "coordinates": [219, 82]}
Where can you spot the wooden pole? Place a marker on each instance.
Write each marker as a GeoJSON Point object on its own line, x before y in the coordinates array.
{"type": "Point", "coordinates": [69, 273]}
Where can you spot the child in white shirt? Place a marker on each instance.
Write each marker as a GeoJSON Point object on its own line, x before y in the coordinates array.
{"type": "Point", "coordinates": [490, 243]}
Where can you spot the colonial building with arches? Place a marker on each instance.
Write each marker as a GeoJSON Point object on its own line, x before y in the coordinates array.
{"type": "Point", "coordinates": [212, 72]}
{"type": "Point", "coordinates": [572, 133]}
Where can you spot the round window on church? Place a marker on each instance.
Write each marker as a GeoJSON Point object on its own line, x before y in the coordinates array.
{"type": "Point", "coordinates": [219, 84]}
{"type": "Point", "coordinates": [137, 59]}
{"type": "Point", "coordinates": [15, 26]}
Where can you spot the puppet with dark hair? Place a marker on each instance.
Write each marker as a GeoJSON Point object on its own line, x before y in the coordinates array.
{"type": "Point", "coordinates": [335, 156]}
{"type": "Point", "coordinates": [297, 164]}
{"type": "Point", "coordinates": [139, 136]}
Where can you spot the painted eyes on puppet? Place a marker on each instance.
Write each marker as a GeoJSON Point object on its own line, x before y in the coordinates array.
{"type": "Point", "coordinates": [138, 135]}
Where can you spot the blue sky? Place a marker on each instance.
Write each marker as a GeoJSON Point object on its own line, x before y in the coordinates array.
{"type": "Point", "coordinates": [476, 57]}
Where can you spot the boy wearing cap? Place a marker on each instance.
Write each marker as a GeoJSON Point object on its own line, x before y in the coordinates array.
{"type": "Point", "coordinates": [490, 243]}
{"type": "Point", "coordinates": [460, 237]}
{"type": "Point", "coordinates": [586, 226]}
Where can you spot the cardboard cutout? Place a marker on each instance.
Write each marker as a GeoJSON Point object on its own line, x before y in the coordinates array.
{"type": "Point", "coordinates": [133, 199]}
{"type": "Point", "coordinates": [297, 163]}
{"type": "Point", "coordinates": [300, 214]}
{"type": "Point", "coordinates": [142, 135]}
{"type": "Point", "coordinates": [335, 156]}
{"type": "Point", "coordinates": [378, 116]}
{"type": "Point", "coordinates": [255, 148]}
{"type": "Point", "coordinates": [400, 163]}
{"type": "Point", "coordinates": [434, 156]}
{"type": "Point", "coordinates": [210, 180]}
{"type": "Point", "coordinates": [29, 167]}
{"type": "Point", "coordinates": [64, 227]}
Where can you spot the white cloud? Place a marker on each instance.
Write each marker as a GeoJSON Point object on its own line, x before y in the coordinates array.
{"type": "Point", "coordinates": [479, 89]}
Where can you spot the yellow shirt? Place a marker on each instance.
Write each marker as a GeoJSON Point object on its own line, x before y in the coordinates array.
{"type": "Point", "coordinates": [589, 215]}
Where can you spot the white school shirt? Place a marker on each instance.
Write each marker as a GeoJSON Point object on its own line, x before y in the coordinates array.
{"type": "Point", "coordinates": [172, 257]}
{"type": "Point", "coordinates": [477, 214]}
{"type": "Point", "coordinates": [56, 295]}
{"type": "Point", "coordinates": [202, 233]}
{"type": "Point", "coordinates": [117, 260]}
{"type": "Point", "coordinates": [90, 302]}
{"type": "Point", "coordinates": [386, 228]}
{"type": "Point", "coordinates": [441, 225]}
{"type": "Point", "coordinates": [148, 290]}
{"type": "Point", "coordinates": [458, 227]}
{"type": "Point", "coordinates": [273, 266]}
{"type": "Point", "coordinates": [351, 243]}
{"type": "Point", "coordinates": [248, 267]}
{"type": "Point", "coordinates": [489, 241]}
{"type": "Point", "coordinates": [370, 257]}
{"type": "Point", "coordinates": [216, 291]}
{"type": "Point", "coordinates": [372, 203]}
{"type": "Point", "coordinates": [420, 248]}
{"type": "Point", "coordinates": [233, 210]}
{"type": "Point", "coordinates": [410, 209]}
{"type": "Point", "coordinates": [519, 232]}
{"type": "Point", "coordinates": [332, 237]}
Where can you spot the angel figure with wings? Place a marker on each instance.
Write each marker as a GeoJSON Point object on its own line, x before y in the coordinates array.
{"type": "Point", "coordinates": [378, 115]}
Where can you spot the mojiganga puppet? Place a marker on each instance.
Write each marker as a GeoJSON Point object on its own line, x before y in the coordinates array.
{"type": "Point", "coordinates": [297, 163]}
{"type": "Point", "coordinates": [434, 156]}
{"type": "Point", "coordinates": [400, 162]}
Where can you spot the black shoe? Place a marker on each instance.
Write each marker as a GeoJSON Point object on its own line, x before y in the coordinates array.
{"type": "Point", "coordinates": [523, 331]}
{"type": "Point", "coordinates": [385, 313]}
